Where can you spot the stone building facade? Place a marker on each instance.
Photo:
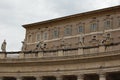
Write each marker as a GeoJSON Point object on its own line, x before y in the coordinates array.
{"type": "Point", "coordinates": [89, 29]}
{"type": "Point", "coordinates": [83, 46]}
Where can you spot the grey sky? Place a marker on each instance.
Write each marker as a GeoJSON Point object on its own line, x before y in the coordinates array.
{"type": "Point", "coordinates": [14, 13]}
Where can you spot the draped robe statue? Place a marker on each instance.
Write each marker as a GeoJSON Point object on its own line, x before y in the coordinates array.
{"type": "Point", "coordinates": [3, 46]}
{"type": "Point", "coordinates": [23, 46]}
{"type": "Point", "coordinates": [41, 45]}
{"type": "Point", "coordinates": [81, 41]}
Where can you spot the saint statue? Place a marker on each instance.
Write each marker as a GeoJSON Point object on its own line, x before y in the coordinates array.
{"type": "Point", "coordinates": [62, 43]}
{"type": "Point", "coordinates": [3, 46]}
{"type": "Point", "coordinates": [81, 41]}
{"type": "Point", "coordinates": [23, 46]}
{"type": "Point", "coordinates": [40, 45]}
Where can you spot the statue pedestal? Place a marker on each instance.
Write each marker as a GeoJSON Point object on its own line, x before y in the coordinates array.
{"type": "Point", "coordinates": [102, 48]}
{"type": "Point", "coordinates": [2, 55]}
{"type": "Point", "coordinates": [21, 55]}
{"type": "Point", "coordinates": [80, 51]}
{"type": "Point", "coordinates": [40, 54]}
{"type": "Point", "coordinates": [60, 53]}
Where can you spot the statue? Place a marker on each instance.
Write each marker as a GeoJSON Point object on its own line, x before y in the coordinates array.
{"type": "Point", "coordinates": [81, 41]}
{"type": "Point", "coordinates": [3, 46]}
{"type": "Point", "coordinates": [107, 39]}
{"type": "Point", "coordinates": [23, 46]}
{"type": "Point", "coordinates": [40, 45]}
{"type": "Point", "coordinates": [62, 43]}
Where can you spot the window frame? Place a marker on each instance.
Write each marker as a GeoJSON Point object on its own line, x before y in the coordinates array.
{"type": "Point", "coordinates": [106, 25]}
{"type": "Point", "coordinates": [45, 35]}
{"type": "Point", "coordinates": [81, 29]}
{"type": "Point", "coordinates": [55, 35]}
{"type": "Point", "coordinates": [68, 30]}
{"type": "Point", "coordinates": [94, 27]}
{"type": "Point", "coordinates": [106, 20]}
{"type": "Point", "coordinates": [38, 39]}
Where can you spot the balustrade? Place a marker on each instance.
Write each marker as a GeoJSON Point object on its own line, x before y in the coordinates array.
{"type": "Point", "coordinates": [62, 52]}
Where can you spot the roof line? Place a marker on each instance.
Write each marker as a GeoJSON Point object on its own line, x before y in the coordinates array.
{"type": "Point", "coordinates": [71, 16]}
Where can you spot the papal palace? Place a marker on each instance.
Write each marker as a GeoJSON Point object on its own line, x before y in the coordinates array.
{"type": "Point", "coordinates": [83, 46]}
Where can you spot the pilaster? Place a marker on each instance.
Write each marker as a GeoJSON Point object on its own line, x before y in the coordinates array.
{"type": "Point", "coordinates": [102, 76]}
{"type": "Point", "coordinates": [19, 78]}
{"type": "Point", "coordinates": [39, 78]}
{"type": "Point", "coordinates": [80, 77]}
{"type": "Point", "coordinates": [102, 48]}
{"type": "Point", "coordinates": [59, 77]}
{"type": "Point", "coordinates": [21, 55]}
{"type": "Point", "coordinates": [60, 53]}
{"type": "Point", "coordinates": [80, 51]}
{"type": "Point", "coordinates": [40, 54]}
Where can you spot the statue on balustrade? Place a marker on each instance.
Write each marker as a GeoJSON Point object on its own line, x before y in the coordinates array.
{"type": "Point", "coordinates": [40, 45]}
{"type": "Point", "coordinates": [94, 41]}
{"type": "Point", "coordinates": [23, 46]}
{"type": "Point", "coordinates": [62, 43]}
{"type": "Point", "coordinates": [81, 41]}
{"type": "Point", "coordinates": [3, 46]}
{"type": "Point", "coordinates": [107, 39]}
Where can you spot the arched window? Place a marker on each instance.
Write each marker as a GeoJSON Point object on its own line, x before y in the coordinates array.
{"type": "Point", "coordinates": [94, 27]}
{"type": "Point", "coordinates": [108, 22]}
{"type": "Point", "coordinates": [80, 27]}
{"type": "Point", "coordinates": [68, 30]}
{"type": "Point", "coordinates": [45, 35]}
{"type": "Point", "coordinates": [38, 37]}
{"type": "Point", "coordinates": [55, 33]}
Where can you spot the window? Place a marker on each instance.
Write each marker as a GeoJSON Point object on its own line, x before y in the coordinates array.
{"type": "Point", "coordinates": [107, 24]}
{"type": "Point", "coordinates": [68, 31]}
{"type": "Point", "coordinates": [56, 33]}
{"type": "Point", "coordinates": [80, 29]}
{"type": "Point", "coordinates": [45, 36]}
{"type": "Point", "coordinates": [94, 27]}
{"type": "Point", "coordinates": [38, 36]}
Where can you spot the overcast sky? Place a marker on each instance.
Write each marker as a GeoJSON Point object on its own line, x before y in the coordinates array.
{"type": "Point", "coordinates": [14, 13]}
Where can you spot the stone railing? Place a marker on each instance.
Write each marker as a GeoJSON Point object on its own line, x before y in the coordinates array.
{"type": "Point", "coordinates": [9, 55]}
{"type": "Point", "coordinates": [61, 52]}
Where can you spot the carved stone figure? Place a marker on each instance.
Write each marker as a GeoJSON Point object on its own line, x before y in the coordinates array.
{"type": "Point", "coordinates": [23, 46]}
{"type": "Point", "coordinates": [62, 43]}
{"type": "Point", "coordinates": [40, 45]}
{"type": "Point", "coordinates": [81, 41]}
{"type": "Point", "coordinates": [107, 39]}
{"type": "Point", "coordinates": [94, 41]}
{"type": "Point", "coordinates": [3, 46]}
